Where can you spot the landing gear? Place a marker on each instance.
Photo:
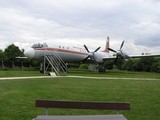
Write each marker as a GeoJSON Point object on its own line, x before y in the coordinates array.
{"type": "Point", "coordinates": [102, 69]}
{"type": "Point", "coordinates": [41, 70]}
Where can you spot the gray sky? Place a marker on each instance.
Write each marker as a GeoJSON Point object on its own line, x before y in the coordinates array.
{"type": "Point", "coordinates": [89, 22]}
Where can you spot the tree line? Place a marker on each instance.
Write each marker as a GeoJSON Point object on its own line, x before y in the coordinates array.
{"type": "Point", "coordinates": [9, 54]}
{"type": "Point", "coordinates": [147, 64]}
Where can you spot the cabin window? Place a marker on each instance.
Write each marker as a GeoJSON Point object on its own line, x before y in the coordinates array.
{"type": "Point", "coordinates": [44, 45]}
{"type": "Point", "coordinates": [39, 45]}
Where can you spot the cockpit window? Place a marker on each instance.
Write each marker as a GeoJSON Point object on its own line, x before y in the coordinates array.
{"type": "Point", "coordinates": [39, 45]}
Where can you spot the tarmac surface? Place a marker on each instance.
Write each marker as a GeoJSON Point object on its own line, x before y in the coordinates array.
{"type": "Point", "coordinates": [14, 78]}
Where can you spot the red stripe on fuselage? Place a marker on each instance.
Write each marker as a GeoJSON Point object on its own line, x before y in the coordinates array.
{"type": "Point", "coordinates": [61, 50]}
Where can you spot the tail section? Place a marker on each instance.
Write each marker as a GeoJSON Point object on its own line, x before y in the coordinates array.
{"type": "Point", "coordinates": [107, 45]}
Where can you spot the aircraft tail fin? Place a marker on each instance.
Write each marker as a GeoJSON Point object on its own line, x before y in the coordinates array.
{"type": "Point", "coordinates": [107, 45]}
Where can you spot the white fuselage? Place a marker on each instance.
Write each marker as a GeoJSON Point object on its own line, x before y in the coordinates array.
{"type": "Point", "coordinates": [69, 53]}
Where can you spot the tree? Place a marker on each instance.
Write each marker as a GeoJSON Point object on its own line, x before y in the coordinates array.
{"type": "Point", "coordinates": [119, 63]}
{"type": "Point", "coordinates": [158, 66]}
{"type": "Point", "coordinates": [11, 52]}
{"type": "Point", "coordinates": [109, 64]}
{"type": "Point", "coordinates": [146, 63]}
{"type": "Point", "coordinates": [2, 57]}
{"type": "Point", "coordinates": [136, 65]}
{"type": "Point", "coordinates": [84, 66]}
{"type": "Point", "coordinates": [128, 65]}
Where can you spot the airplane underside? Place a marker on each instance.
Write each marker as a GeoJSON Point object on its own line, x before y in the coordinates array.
{"type": "Point", "coordinates": [58, 62]}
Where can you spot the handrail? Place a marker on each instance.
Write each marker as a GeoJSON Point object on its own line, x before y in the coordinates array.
{"type": "Point", "coordinates": [56, 62]}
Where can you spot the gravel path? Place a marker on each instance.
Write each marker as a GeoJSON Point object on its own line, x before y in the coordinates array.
{"type": "Point", "coordinates": [12, 78]}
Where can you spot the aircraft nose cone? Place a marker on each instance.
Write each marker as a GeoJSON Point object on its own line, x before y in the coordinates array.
{"type": "Point", "coordinates": [30, 53]}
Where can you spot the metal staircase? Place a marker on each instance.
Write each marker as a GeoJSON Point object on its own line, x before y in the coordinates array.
{"type": "Point", "coordinates": [56, 62]}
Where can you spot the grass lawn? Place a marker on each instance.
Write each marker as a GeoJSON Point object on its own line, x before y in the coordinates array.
{"type": "Point", "coordinates": [19, 73]}
{"type": "Point", "coordinates": [115, 74]}
{"type": "Point", "coordinates": [17, 97]}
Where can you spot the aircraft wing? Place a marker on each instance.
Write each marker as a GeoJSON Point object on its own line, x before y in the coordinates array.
{"type": "Point", "coordinates": [142, 56]}
{"type": "Point", "coordinates": [133, 56]}
{"type": "Point", "coordinates": [109, 58]}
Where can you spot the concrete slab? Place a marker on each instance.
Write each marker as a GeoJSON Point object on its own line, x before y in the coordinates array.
{"type": "Point", "coordinates": [87, 117]}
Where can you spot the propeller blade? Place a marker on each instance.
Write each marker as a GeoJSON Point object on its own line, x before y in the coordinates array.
{"type": "Point", "coordinates": [127, 57]}
{"type": "Point", "coordinates": [115, 60]}
{"type": "Point", "coordinates": [85, 59]}
{"type": "Point", "coordinates": [94, 60]}
{"type": "Point", "coordinates": [122, 44]}
{"type": "Point", "coordinates": [86, 48]}
{"type": "Point", "coordinates": [97, 49]}
{"type": "Point", "coordinates": [111, 50]}
{"type": "Point", "coordinates": [91, 55]}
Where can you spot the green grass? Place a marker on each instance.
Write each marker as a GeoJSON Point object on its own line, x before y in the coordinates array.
{"type": "Point", "coordinates": [114, 73]}
{"type": "Point", "coordinates": [17, 97]}
{"type": "Point", "coordinates": [19, 73]}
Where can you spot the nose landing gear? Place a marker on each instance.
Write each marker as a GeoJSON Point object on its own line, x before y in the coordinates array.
{"type": "Point", "coordinates": [101, 69]}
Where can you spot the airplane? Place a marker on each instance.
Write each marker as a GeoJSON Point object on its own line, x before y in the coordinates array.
{"type": "Point", "coordinates": [72, 53]}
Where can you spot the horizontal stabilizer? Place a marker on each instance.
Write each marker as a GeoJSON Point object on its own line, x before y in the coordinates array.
{"type": "Point", "coordinates": [22, 57]}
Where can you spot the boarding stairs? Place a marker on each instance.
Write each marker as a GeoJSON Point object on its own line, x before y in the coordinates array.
{"type": "Point", "coordinates": [56, 62]}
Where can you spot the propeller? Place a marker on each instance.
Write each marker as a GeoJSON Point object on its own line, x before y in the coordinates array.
{"type": "Point", "coordinates": [91, 54]}
{"type": "Point", "coordinates": [119, 53]}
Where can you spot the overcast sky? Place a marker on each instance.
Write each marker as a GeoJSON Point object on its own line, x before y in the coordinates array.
{"type": "Point", "coordinates": [23, 22]}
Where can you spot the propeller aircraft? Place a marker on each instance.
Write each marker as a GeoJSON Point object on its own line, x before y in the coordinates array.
{"type": "Point", "coordinates": [71, 53]}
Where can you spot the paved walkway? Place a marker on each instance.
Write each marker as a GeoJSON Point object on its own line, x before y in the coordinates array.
{"type": "Point", "coordinates": [114, 78]}
{"type": "Point", "coordinates": [12, 78]}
